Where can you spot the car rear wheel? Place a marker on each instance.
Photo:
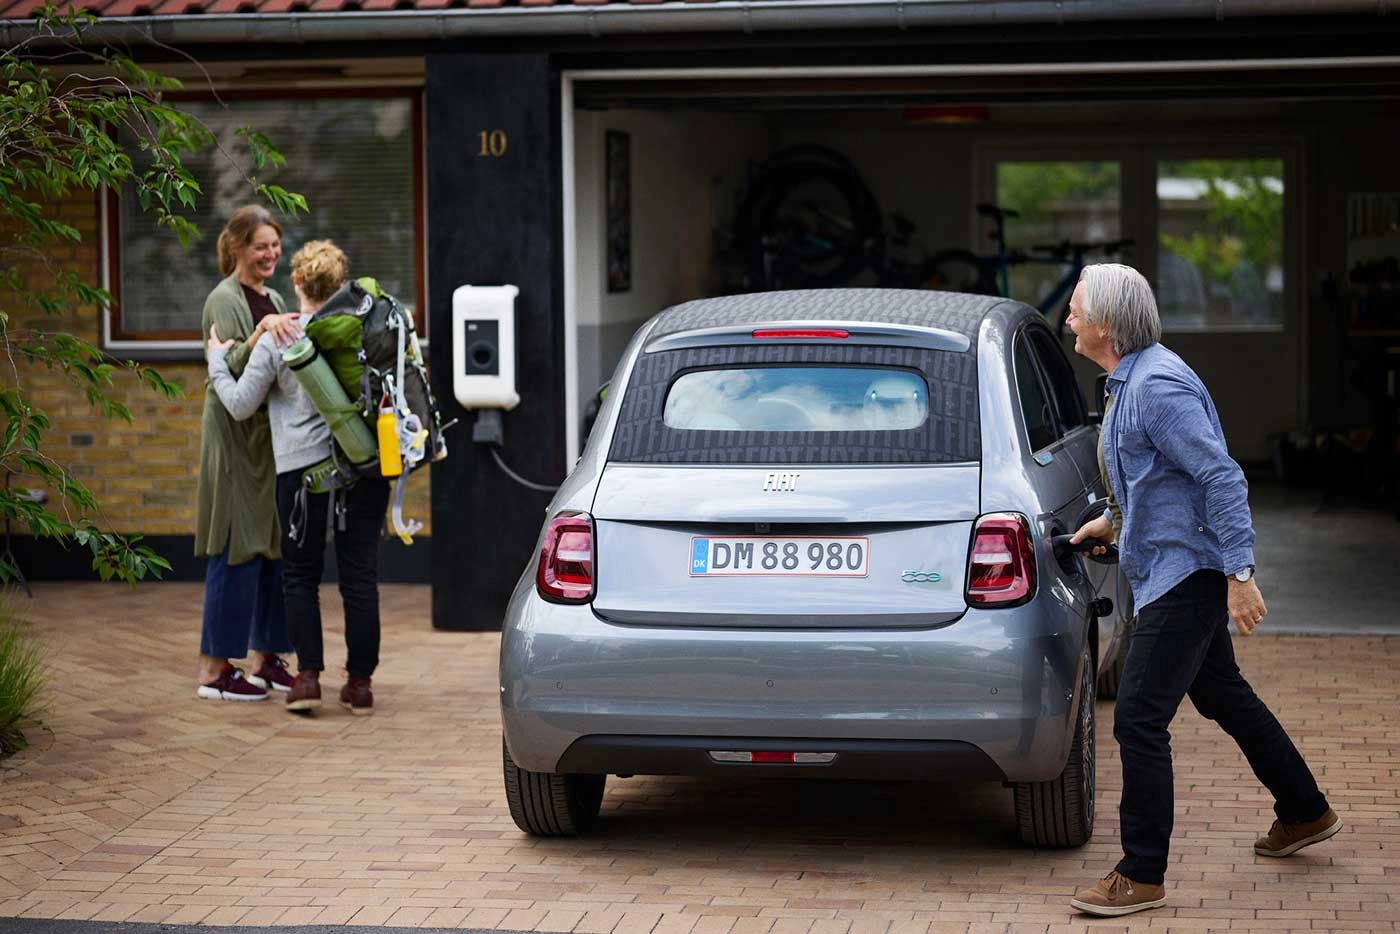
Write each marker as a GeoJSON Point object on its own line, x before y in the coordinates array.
{"type": "Point", "coordinates": [1060, 812]}
{"type": "Point", "coordinates": [548, 805]}
{"type": "Point", "coordinates": [1112, 676]}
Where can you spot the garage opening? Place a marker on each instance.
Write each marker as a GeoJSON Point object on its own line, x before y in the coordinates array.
{"type": "Point", "coordinates": [1259, 198]}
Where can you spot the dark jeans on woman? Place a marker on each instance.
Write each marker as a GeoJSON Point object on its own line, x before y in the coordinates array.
{"type": "Point", "coordinates": [356, 562]}
{"type": "Point", "coordinates": [243, 604]}
{"type": "Point", "coordinates": [1182, 647]}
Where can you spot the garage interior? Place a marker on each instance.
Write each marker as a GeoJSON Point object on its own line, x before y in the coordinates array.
{"type": "Point", "coordinates": [1261, 198]}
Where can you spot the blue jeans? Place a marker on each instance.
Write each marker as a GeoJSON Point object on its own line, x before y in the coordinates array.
{"type": "Point", "coordinates": [242, 604]}
{"type": "Point", "coordinates": [1182, 648]}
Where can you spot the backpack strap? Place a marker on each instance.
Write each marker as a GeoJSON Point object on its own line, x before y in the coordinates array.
{"type": "Point", "coordinates": [296, 521]}
{"type": "Point", "coordinates": [404, 530]}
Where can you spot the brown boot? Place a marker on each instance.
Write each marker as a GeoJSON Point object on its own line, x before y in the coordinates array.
{"type": "Point", "coordinates": [1116, 894]}
{"type": "Point", "coordinates": [356, 697]}
{"type": "Point", "coordinates": [1286, 839]}
{"type": "Point", "coordinates": [306, 691]}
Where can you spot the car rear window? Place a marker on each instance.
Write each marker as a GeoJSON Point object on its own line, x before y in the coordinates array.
{"type": "Point", "coordinates": [800, 404]}
{"type": "Point", "coordinates": [796, 398]}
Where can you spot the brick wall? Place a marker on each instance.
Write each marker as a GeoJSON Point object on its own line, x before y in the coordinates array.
{"type": "Point", "coordinates": [143, 474]}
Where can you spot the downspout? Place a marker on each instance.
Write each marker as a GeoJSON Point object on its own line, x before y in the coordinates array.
{"type": "Point", "coordinates": [745, 16]}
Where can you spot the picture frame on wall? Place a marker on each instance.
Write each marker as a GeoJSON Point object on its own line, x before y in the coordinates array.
{"type": "Point", "coordinates": [617, 169]}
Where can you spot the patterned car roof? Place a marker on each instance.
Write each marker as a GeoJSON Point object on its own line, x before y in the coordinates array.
{"type": "Point", "coordinates": [952, 311]}
{"type": "Point", "coordinates": [20, 9]}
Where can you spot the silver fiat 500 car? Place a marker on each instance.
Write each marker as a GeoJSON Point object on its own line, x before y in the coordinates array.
{"type": "Point", "coordinates": [811, 534]}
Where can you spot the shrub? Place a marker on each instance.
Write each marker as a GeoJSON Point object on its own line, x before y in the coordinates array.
{"type": "Point", "coordinates": [21, 675]}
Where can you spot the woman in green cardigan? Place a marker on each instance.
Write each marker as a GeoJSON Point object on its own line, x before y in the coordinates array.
{"type": "Point", "coordinates": [236, 524]}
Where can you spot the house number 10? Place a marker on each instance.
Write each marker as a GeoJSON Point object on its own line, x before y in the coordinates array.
{"type": "Point", "coordinates": [493, 143]}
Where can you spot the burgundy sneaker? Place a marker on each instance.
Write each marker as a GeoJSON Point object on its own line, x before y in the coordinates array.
{"type": "Point", "coordinates": [231, 685]}
{"type": "Point", "coordinates": [356, 697]}
{"type": "Point", "coordinates": [306, 692]}
{"type": "Point", "coordinates": [272, 675]}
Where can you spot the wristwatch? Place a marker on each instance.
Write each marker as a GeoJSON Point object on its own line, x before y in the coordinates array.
{"type": "Point", "coordinates": [1244, 573]}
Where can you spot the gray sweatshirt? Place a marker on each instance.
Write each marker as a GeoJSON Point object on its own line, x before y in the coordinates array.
{"type": "Point", "coordinates": [300, 436]}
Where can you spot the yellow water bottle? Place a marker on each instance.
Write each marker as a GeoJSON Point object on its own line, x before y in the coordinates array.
{"type": "Point", "coordinates": [390, 464]}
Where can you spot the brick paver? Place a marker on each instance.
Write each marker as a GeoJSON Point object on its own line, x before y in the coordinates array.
{"type": "Point", "coordinates": [138, 802]}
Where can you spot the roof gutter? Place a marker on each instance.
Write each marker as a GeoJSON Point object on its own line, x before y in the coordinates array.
{"type": "Point", "coordinates": [745, 16]}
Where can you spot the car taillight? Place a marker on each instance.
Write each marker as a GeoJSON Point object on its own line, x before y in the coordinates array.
{"type": "Point", "coordinates": [565, 574]}
{"type": "Point", "coordinates": [1001, 568]}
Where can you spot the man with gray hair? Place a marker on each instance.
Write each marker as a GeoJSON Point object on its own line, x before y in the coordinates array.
{"type": "Point", "coordinates": [1187, 550]}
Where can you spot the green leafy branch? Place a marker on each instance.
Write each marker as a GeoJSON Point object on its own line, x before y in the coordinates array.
{"type": "Point", "coordinates": [64, 108]}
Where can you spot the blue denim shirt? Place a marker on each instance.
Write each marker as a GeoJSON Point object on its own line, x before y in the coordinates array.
{"type": "Point", "coordinates": [1184, 499]}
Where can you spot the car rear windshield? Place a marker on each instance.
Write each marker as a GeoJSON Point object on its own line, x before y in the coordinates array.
{"type": "Point", "coordinates": [800, 404]}
{"type": "Point", "coordinates": [797, 398]}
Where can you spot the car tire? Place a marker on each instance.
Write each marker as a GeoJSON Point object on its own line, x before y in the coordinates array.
{"type": "Point", "coordinates": [544, 804]}
{"type": "Point", "coordinates": [1112, 676]}
{"type": "Point", "coordinates": [1060, 812]}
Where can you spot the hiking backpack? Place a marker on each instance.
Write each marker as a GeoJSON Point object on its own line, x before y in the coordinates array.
{"type": "Point", "coordinates": [368, 339]}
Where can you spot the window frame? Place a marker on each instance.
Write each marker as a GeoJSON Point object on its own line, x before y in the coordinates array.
{"type": "Point", "coordinates": [1288, 151]}
{"type": "Point", "coordinates": [189, 345]}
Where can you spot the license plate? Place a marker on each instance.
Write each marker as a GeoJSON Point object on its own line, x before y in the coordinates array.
{"type": "Point", "coordinates": [765, 556]}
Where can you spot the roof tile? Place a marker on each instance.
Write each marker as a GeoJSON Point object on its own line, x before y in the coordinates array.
{"type": "Point", "coordinates": [124, 8]}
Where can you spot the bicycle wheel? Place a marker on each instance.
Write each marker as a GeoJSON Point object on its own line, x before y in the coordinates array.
{"type": "Point", "coordinates": [808, 221]}
{"type": "Point", "coordinates": [961, 271]}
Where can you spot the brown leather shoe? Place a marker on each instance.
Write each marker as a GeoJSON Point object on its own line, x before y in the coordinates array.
{"type": "Point", "coordinates": [306, 691]}
{"type": "Point", "coordinates": [1286, 839]}
{"type": "Point", "coordinates": [356, 697]}
{"type": "Point", "coordinates": [1116, 894]}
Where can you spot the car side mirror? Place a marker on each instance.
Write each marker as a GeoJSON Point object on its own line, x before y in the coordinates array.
{"type": "Point", "coordinates": [591, 408]}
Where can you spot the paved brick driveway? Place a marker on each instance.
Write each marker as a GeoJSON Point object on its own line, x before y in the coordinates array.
{"type": "Point", "coordinates": [139, 802]}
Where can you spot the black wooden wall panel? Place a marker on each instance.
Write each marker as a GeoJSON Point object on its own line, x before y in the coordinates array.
{"type": "Point", "coordinates": [492, 220]}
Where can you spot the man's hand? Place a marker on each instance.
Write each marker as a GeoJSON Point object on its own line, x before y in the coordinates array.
{"type": "Point", "coordinates": [1246, 605]}
{"type": "Point", "coordinates": [1099, 528]}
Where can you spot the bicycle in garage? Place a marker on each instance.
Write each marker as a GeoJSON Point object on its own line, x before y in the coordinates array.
{"type": "Point", "coordinates": [808, 220]}
{"type": "Point", "coordinates": [958, 270]}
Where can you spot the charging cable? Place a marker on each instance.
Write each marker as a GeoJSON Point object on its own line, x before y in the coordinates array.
{"type": "Point", "coordinates": [489, 429]}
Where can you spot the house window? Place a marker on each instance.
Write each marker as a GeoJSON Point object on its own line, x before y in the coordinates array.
{"type": "Point", "coordinates": [1057, 202]}
{"type": "Point", "coordinates": [354, 156]}
{"type": "Point", "coordinates": [1220, 243]}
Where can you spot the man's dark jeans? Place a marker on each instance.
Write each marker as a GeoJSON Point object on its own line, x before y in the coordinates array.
{"type": "Point", "coordinates": [357, 566]}
{"type": "Point", "coordinates": [1182, 647]}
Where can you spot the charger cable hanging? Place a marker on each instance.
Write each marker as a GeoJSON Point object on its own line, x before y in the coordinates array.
{"type": "Point", "coordinates": [489, 430]}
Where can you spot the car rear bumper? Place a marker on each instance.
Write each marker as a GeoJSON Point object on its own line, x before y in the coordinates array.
{"type": "Point", "coordinates": [917, 760]}
{"type": "Point", "coordinates": [989, 696]}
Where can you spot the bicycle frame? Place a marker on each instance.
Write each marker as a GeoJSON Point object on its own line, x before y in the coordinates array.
{"type": "Point", "coordinates": [1068, 255]}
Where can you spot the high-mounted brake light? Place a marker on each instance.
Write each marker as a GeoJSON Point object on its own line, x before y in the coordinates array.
{"type": "Point", "coordinates": [1001, 567]}
{"type": "Point", "coordinates": [565, 573]}
{"type": "Point", "coordinates": [802, 333]}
